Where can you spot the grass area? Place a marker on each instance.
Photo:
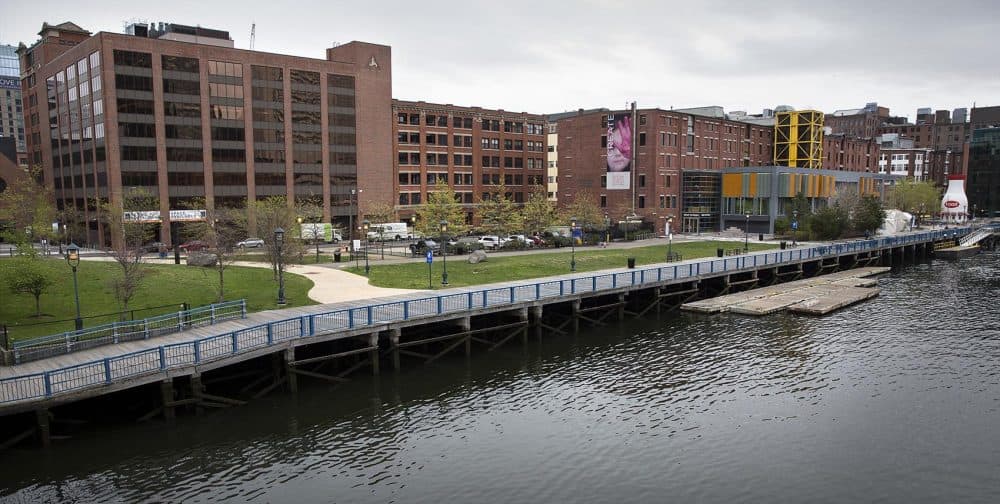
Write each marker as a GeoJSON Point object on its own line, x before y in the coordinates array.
{"type": "Point", "coordinates": [166, 288]}
{"type": "Point", "coordinates": [520, 267]}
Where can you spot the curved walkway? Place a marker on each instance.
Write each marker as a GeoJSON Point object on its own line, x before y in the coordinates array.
{"type": "Point", "coordinates": [331, 285]}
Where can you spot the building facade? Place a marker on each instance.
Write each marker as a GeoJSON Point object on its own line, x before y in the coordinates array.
{"type": "Point", "coordinates": [667, 144]}
{"type": "Point", "coordinates": [470, 148]}
{"type": "Point", "coordinates": [860, 123]}
{"type": "Point", "coordinates": [178, 112]}
{"type": "Point", "coordinates": [846, 153]}
{"type": "Point", "coordinates": [11, 105]}
{"type": "Point", "coordinates": [983, 184]}
{"type": "Point", "coordinates": [753, 198]}
{"type": "Point", "coordinates": [552, 158]}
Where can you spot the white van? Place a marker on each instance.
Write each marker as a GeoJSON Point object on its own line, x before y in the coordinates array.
{"type": "Point", "coordinates": [389, 231]}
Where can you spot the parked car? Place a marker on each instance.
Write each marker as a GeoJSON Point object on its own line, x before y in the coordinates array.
{"type": "Point", "coordinates": [528, 242]}
{"type": "Point", "coordinates": [193, 245]}
{"type": "Point", "coordinates": [537, 240]}
{"type": "Point", "coordinates": [422, 246]}
{"type": "Point", "coordinates": [492, 242]}
{"type": "Point", "coordinates": [251, 243]}
{"type": "Point", "coordinates": [154, 247]}
{"type": "Point", "coordinates": [464, 245]}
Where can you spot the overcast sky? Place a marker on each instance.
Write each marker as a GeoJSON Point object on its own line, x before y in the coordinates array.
{"type": "Point", "coordinates": [546, 57]}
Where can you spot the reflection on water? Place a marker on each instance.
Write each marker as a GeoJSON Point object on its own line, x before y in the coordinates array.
{"type": "Point", "coordinates": [895, 399]}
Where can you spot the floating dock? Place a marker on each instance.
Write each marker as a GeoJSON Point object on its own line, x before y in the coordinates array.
{"type": "Point", "coordinates": [814, 296]}
{"type": "Point", "coordinates": [959, 252]}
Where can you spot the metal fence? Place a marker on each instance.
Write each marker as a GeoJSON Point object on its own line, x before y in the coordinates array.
{"type": "Point", "coordinates": [156, 360]}
{"type": "Point", "coordinates": [129, 330]}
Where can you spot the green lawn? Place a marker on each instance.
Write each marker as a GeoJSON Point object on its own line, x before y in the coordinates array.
{"type": "Point", "coordinates": [166, 287]}
{"type": "Point", "coordinates": [520, 267]}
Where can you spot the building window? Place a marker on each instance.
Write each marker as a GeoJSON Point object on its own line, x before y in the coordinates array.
{"type": "Point", "coordinates": [604, 201]}
{"type": "Point", "coordinates": [133, 59]}
{"type": "Point", "coordinates": [225, 68]}
{"type": "Point", "coordinates": [642, 139]}
{"type": "Point", "coordinates": [642, 181]}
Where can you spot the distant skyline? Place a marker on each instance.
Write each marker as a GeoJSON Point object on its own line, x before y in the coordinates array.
{"type": "Point", "coordinates": [547, 57]}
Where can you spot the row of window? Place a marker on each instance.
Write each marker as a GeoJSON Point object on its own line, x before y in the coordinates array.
{"type": "Point", "coordinates": [414, 178]}
{"type": "Point", "coordinates": [441, 159]}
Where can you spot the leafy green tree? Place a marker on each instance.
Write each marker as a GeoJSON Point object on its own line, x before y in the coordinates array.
{"type": "Point", "coordinates": [915, 197]}
{"type": "Point", "coordinates": [830, 222]}
{"type": "Point", "coordinates": [868, 216]}
{"type": "Point", "coordinates": [25, 275]}
{"type": "Point", "coordinates": [586, 210]}
{"type": "Point", "coordinates": [498, 214]}
{"type": "Point", "coordinates": [441, 205]}
{"type": "Point", "coordinates": [29, 208]}
{"type": "Point", "coordinates": [539, 212]}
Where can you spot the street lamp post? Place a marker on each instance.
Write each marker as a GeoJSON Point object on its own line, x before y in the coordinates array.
{"type": "Point", "coordinates": [444, 252]}
{"type": "Point", "coordinates": [607, 229]}
{"type": "Point", "coordinates": [572, 239]}
{"type": "Point", "coordinates": [73, 259]}
{"type": "Point", "coordinates": [670, 239]}
{"type": "Point", "coordinates": [354, 250]}
{"type": "Point", "coordinates": [795, 227]}
{"type": "Point", "coordinates": [364, 226]}
{"type": "Point", "coordinates": [279, 242]}
{"type": "Point", "coordinates": [746, 235]}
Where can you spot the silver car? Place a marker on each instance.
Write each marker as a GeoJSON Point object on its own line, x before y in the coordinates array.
{"type": "Point", "coordinates": [251, 243]}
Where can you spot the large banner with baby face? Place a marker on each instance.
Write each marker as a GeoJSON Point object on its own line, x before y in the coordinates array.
{"type": "Point", "coordinates": [619, 151]}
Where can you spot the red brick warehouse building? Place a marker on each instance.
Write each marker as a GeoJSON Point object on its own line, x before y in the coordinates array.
{"type": "Point", "coordinates": [667, 143]}
{"type": "Point", "coordinates": [180, 112]}
{"type": "Point", "coordinates": [470, 148]}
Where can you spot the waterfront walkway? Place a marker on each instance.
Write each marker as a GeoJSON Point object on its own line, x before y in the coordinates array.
{"type": "Point", "coordinates": [116, 367]}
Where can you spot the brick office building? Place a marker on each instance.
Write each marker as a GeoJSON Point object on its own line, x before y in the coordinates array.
{"type": "Point", "coordinates": [846, 153]}
{"type": "Point", "coordinates": [180, 112]}
{"type": "Point", "coordinates": [860, 123]}
{"type": "Point", "coordinates": [470, 148]}
{"type": "Point", "coordinates": [668, 142]}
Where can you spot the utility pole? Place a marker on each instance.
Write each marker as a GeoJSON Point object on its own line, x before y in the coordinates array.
{"type": "Point", "coordinates": [635, 135]}
{"type": "Point", "coordinates": [253, 34]}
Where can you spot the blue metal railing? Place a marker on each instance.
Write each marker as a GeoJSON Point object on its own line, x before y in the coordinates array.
{"type": "Point", "coordinates": [130, 330]}
{"type": "Point", "coordinates": [156, 360]}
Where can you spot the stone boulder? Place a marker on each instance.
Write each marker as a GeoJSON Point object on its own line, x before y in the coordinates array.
{"type": "Point", "coordinates": [203, 259]}
{"type": "Point", "coordinates": [477, 256]}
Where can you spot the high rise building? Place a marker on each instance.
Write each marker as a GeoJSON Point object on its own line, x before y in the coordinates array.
{"type": "Point", "coordinates": [178, 111]}
{"type": "Point", "coordinates": [983, 184]}
{"type": "Point", "coordinates": [11, 105]}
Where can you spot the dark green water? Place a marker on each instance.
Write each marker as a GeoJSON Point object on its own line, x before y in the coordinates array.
{"type": "Point", "coordinates": [893, 400]}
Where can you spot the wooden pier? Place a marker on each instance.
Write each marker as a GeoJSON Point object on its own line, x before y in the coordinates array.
{"type": "Point", "coordinates": [268, 351]}
{"type": "Point", "coordinates": [817, 296]}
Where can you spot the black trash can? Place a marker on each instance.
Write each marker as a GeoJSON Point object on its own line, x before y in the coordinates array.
{"type": "Point", "coordinates": [760, 237]}
{"type": "Point", "coordinates": [336, 256]}
{"type": "Point", "coordinates": [631, 263]}
{"type": "Point", "coordinates": [720, 252]}
{"type": "Point", "coordinates": [784, 245]}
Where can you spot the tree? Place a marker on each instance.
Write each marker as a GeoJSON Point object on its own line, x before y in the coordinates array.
{"type": "Point", "coordinates": [586, 210]}
{"type": "Point", "coordinates": [221, 230]}
{"type": "Point", "coordinates": [498, 214]}
{"type": "Point", "coordinates": [380, 212]}
{"type": "Point", "coordinates": [28, 207]}
{"type": "Point", "coordinates": [539, 212]}
{"type": "Point", "coordinates": [869, 215]}
{"type": "Point", "coordinates": [269, 214]}
{"type": "Point", "coordinates": [830, 223]}
{"type": "Point", "coordinates": [130, 231]}
{"type": "Point", "coordinates": [441, 205]}
{"type": "Point", "coordinates": [26, 275]}
{"type": "Point", "coordinates": [915, 197]}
